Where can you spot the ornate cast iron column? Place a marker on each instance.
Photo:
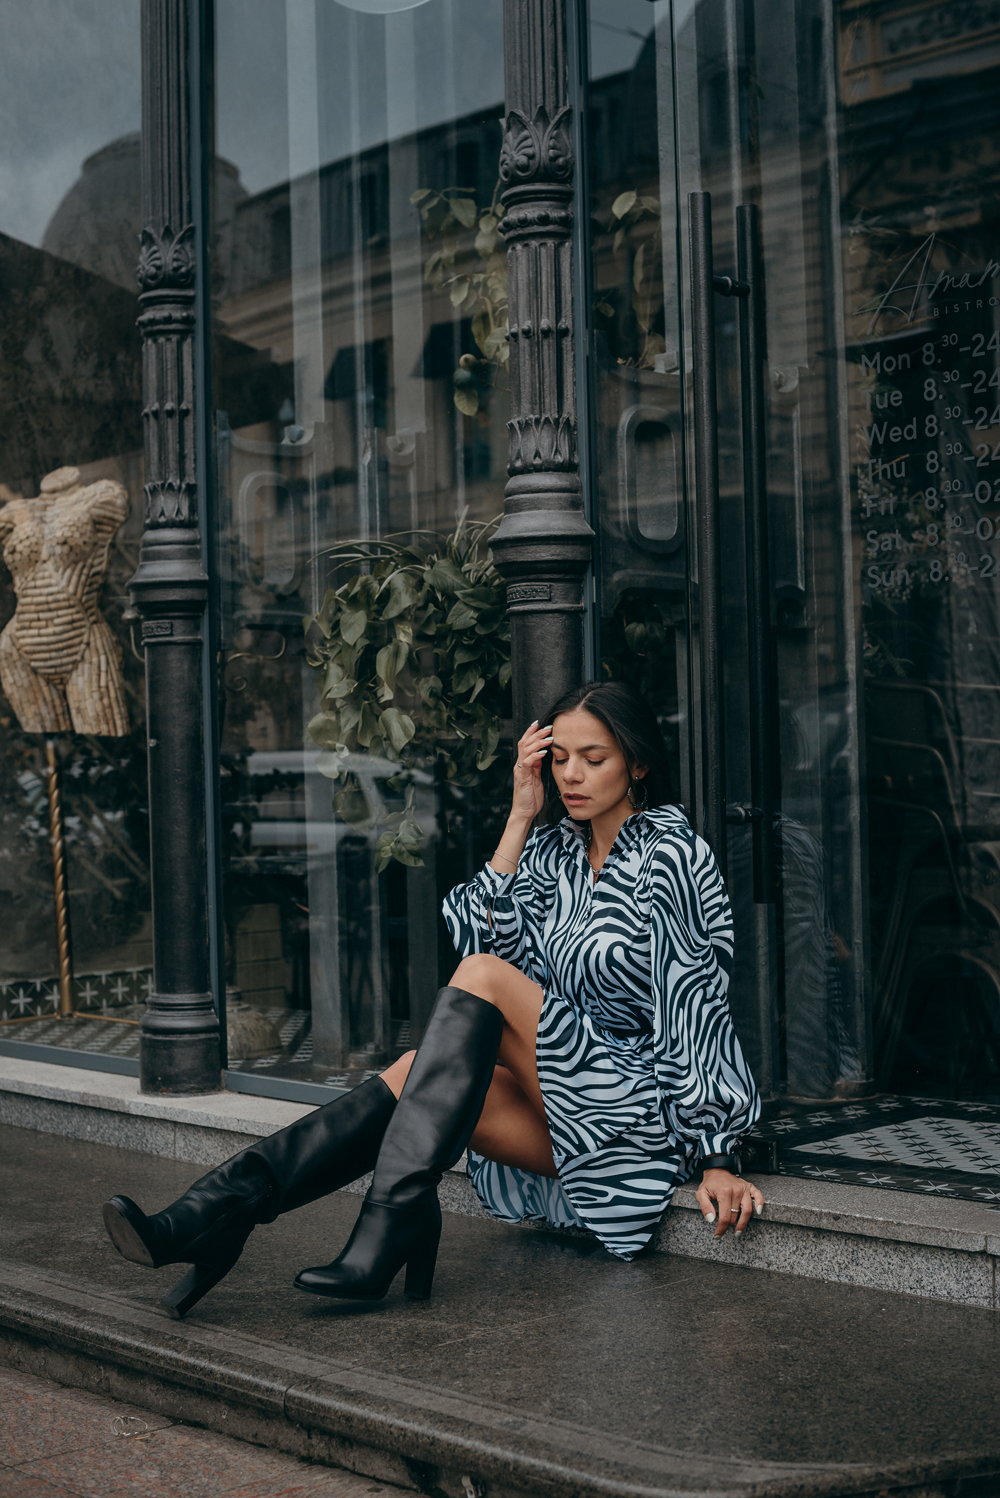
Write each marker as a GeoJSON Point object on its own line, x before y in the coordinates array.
{"type": "Point", "coordinates": [543, 545]}
{"type": "Point", "coordinates": [180, 1032]}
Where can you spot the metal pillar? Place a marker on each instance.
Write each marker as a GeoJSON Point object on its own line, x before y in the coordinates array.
{"type": "Point", "coordinates": [179, 1050]}
{"type": "Point", "coordinates": [543, 545]}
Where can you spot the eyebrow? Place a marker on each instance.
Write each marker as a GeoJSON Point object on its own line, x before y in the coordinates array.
{"type": "Point", "coordinates": [585, 750]}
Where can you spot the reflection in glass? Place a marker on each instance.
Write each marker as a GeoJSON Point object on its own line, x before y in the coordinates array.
{"type": "Point", "coordinates": [709, 97]}
{"type": "Point", "coordinates": [71, 465]}
{"type": "Point", "coordinates": [923, 361]}
{"type": "Point", "coordinates": [359, 377]}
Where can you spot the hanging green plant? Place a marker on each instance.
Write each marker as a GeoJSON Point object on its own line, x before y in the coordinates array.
{"type": "Point", "coordinates": [638, 241]}
{"type": "Point", "coordinates": [470, 263]}
{"type": "Point", "coordinates": [413, 657]}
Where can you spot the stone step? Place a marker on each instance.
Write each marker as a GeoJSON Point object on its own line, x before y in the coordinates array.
{"type": "Point", "coordinates": [539, 1366]}
{"type": "Point", "coordinates": [885, 1240]}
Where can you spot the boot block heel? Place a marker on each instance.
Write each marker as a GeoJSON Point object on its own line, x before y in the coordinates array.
{"type": "Point", "coordinates": [420, 1273]}
{"type": "Point", "coordinates": [201, 1278]}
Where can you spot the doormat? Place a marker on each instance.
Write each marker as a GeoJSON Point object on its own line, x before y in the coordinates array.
{"type": "Point", "coordinates": [930, 1146]}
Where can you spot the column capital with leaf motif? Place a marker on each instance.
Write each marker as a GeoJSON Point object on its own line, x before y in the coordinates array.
{"type": "Point", "coordinates": [544, 544]}
{"type": "Point", "coordinates": [179, 1034]}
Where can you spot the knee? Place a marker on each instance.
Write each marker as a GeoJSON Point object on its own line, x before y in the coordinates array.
{"type": "Point", "coordinates": [481, 974]}
{"type": "Point", "coordinates": [395, 1075]}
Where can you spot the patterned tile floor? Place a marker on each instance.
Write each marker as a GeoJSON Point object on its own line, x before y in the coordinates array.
{"type": "Point", "coordinates": [931, 1146]}
{"type": "Point", "coordinates": [294, 1062]}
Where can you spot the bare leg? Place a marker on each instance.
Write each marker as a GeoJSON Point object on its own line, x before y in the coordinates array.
{"type": "Point", "coordinates": [512, 1128]}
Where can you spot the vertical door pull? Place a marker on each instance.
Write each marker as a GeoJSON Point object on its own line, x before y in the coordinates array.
{"type": "Point", "coordinates": [706, 459]}
{"type": "Point", "coordinates": [760, 636]}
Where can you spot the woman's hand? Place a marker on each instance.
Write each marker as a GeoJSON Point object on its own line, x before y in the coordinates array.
{"type": "Point", "coordinates": [529, 795]}
{"type": "Point", "coordinates": [736, 1200]}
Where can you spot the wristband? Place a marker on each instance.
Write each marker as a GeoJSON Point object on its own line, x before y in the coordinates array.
{"type": "Point", "coordinates": [721, 1162]}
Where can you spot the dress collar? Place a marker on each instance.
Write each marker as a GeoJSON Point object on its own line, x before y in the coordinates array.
{"type": "Point", "coordinates": [659, 817]}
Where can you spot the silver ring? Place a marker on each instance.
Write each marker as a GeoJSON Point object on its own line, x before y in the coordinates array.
{"type": "Point", "coordinates": [735, 1211]}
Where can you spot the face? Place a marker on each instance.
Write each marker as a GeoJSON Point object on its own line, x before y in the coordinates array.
{"type": "Point", "coordinates": [588, 767]}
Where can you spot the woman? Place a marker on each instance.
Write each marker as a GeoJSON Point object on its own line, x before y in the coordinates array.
{"type": "Point", "coordinates": [596, 952]}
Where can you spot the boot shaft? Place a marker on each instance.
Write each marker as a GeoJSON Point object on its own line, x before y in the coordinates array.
{"type": "Point", "coordinates": [443, 1097]}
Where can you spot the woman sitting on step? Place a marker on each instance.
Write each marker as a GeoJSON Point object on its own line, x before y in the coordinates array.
{"type": "Point", "coordinates": [583, 1053]}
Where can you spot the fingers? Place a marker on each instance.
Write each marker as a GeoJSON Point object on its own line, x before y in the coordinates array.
{"type": "Point", "coordinates": [533, 747]}
{"type": "Point", "coordinates": [706, 1204]}
{"type": "Point", "coordinates": [728, 1202]}
{"type": "Point", "coordinates": [729, 1207]}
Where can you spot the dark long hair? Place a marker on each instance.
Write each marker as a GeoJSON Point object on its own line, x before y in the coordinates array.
{"type": "Point", "coordinates": [628, 716]}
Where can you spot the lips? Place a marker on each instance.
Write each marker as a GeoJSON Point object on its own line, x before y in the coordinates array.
{"type": "Point", "coordinates": [575, 800]}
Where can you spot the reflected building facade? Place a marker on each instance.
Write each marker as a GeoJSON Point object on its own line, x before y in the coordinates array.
{"type": "Point", "coordinates": [387, 203]}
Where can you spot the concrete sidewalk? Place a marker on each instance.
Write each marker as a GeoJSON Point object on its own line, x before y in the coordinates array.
{"type": "Point", "coordinates": [540, 1364]}
{"type": "Point", "coordinates": [64, 1443]}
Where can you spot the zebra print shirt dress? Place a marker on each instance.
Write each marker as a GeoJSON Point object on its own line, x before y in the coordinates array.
{"type": "Point", "coordinates": [640, 1068]}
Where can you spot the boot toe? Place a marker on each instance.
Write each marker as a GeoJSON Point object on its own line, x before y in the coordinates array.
{"type": "Point", "coordinates": [124, 1222]}
{"type": "Point", "coordinates": [327, 1280]}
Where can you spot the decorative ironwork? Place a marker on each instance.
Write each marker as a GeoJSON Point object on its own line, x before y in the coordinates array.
{"type": "Point", "coordinates": [538, 148]}
{"type": "Point", "coordinates": [543, 545]}
{"type": "Point", "coordinates": [180, 1032]}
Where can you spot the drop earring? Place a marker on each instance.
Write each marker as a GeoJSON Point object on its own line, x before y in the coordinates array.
{"type": "Point", "coordinates": [638, 795]}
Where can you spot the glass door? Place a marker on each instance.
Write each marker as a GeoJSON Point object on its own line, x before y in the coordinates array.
{"type": "Point", "coordinates": [360, 398]}
{"type": "Point", "coordinates": [855, 142]}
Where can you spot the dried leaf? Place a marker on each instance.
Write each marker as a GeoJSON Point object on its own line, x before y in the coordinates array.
{"type": "Point", "coordinates": [367, 725]}
{"type": "Point", "coordinates": [350, 803]}
{"type": "Point", "coordinates": [352, 626]}
{"type": "Point", "coordinates": [390, 661]}
{"type": "Point", "coordinates": [331, 763]}
{"type": "Point", "coordinates": [486, 241]}
{"type": "Point", "coordinates": [397, 727]}
{"type": "Point", "coordinates": [495, 342]}
{"type": "Point", "coordinates": [639, 267]}
{"type": "Point", "coordinates": [402, 595]}
{"type": "Point", "coordinates": [461, 616]}
{"type": "Point", "coordinates": [481, 332]}
{"type": "Point", "coordinates": [324, 731]}
{"type": "Point", "coordinates": [464, 210]}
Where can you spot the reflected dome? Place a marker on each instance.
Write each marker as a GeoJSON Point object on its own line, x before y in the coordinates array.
{"type": "Point", "coordinates": [98, 223]}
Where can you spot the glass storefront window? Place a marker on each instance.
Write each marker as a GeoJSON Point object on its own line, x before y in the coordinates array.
{"type": "Point", "coordinates": [863, 135]}
{"type": "Point", "coordinates": [72, 714]}
{"type": "Point", "coordinates": [922, 294]}
{"type": "Point", "coordinates": [360, 396]}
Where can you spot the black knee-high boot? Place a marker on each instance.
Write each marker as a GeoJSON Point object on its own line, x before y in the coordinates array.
{"type": "Point", "coordinates": [208, 1226]}
{"type": "Point", "coordinates": [400, 1220]}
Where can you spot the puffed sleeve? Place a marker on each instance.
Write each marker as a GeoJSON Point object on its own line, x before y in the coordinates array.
{"type": "Point", "coordinates": [505, 913]}
{"type": "Point", "coordinates": [707, 1093]}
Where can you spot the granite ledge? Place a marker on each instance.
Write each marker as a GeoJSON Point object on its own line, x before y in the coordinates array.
{"type": "Point", "coordinates": [865, 1212]}
{"type": "Point", "coordinates": [235, 1112]}
{"type": "Point", "coordinates": [870, 1212]}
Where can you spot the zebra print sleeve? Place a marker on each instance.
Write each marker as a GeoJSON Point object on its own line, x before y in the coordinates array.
{"type": "Point", "coordinates": [707, 1092]}
{"type": "Point", "coordinates": [505, 913]}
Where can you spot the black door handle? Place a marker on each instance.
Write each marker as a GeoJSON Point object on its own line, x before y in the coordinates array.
{"type": "Point", "coordinates": [748, 289]}
{"type": "Point", "coordinates": [706, 469]}
{"type": "Point", "coordinates": [760, 637]}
